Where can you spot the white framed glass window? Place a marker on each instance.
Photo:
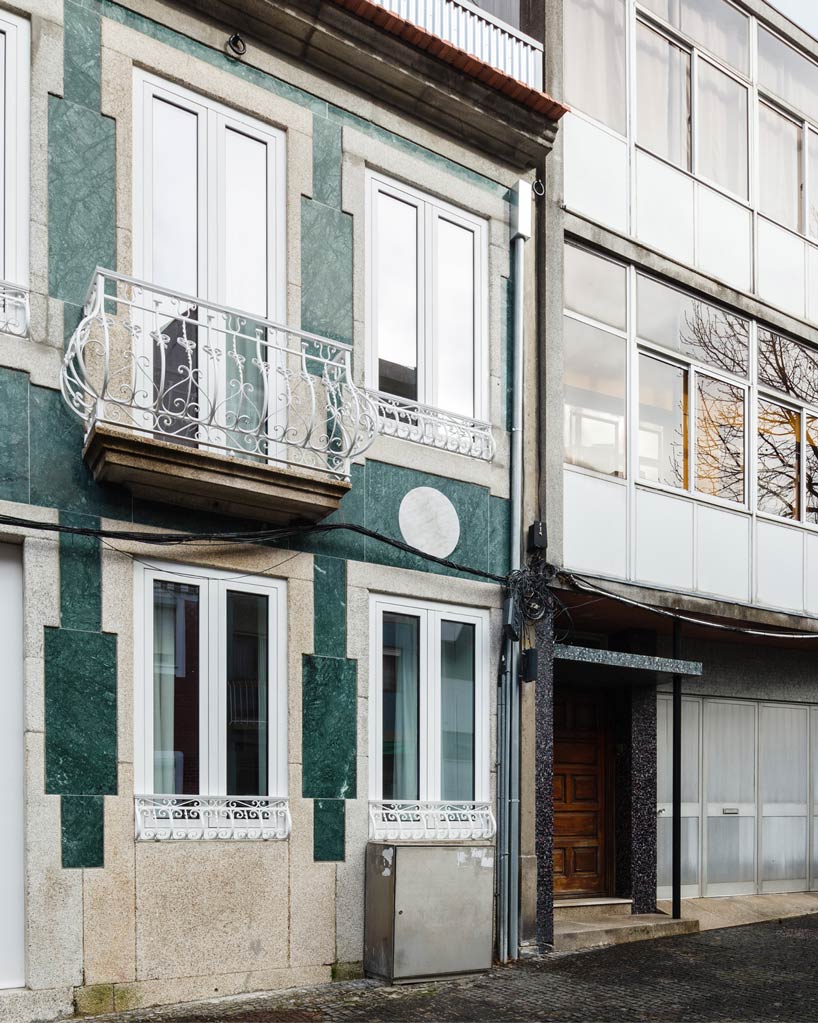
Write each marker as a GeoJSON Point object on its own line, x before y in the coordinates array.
{"type": "Point", "coordinates": [427, 293]}
{"type": "Point", "coordinates": [596, 84]}
{"type": "Point", "coordinates": [664, 97]}
{"type": "Point", "coordinates": [429, 703]}
{"type": "Point", "coordinates": [15, 119]}
{"type": "Point", "coordinates": [210, 688]}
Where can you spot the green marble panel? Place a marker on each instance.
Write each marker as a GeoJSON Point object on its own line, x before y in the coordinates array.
{"type": "Point", "coordinates": [14, 429]}
{"type": "Point", "coordinates": [386, 486]}
{"type": "Point", "coordinates": [330, 606]}
{"type": "Point", "coordinates": [80, 712]}
{"type": "Point", "coordinates": [59, 478]}
{"type": "Point", "coordinates": [326, 271]}
{"type": "Point", "coordinates": [80, 575]}
{"type": "Point", "coordinates": [499, 531]}
{"type": "Point", "coordinates": [328, 727]}
{"type": "Point", "coordinates": [326, 162]}
{"type": "Point", "coordinates": [83, 831]}
{"type": "Point", "coordinates": [81, 76]}
{"type": "Point", "coordinates": [81, 197]}
{"type": "Point", "coordinates": [343, 543]}
{"type": "Point", "coordinates": [328, 829]}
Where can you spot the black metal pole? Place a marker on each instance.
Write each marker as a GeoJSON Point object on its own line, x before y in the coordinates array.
{"type": "Point", "coordinates": [676, 882]}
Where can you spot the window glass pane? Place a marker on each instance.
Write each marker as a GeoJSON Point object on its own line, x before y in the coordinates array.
{"type": "Point", "coordinates": [245, 246]}
{"type": "Point", "coordinates": [594, 398]}
{"type": "Point", "coordinates": [596, 83]}
{"type": "Point", "coordinates": [722, 129]}
{"type": "Point", "coordinates": [779, 150]}
{"type": "Point", "coordinates": [457, 710]}
{"type": "Point", "coordinates": [663, 96]}
{"type": "Point", "coordinates": [779, 446]}
{"type": "Point", "coordinates": [248, 694]}
{"type": "Point", "coordinates": [175, 688]}
{"type": "Point", "coordinates": [174, 198]}
{"type": "Point", "coordinates": [662, 422]}
{"type": "Point", "coordinates": [719, 439]}
{"type": "Point", "coordinates": [812, 176]}
{"type": "Point", "coordinates": [714, 24]}
{"type": "Point", "coordinates": [788, 74]}
{"type": "Point", "coordinates": [401, 706]}
{"type": "Point", "coordinates": [787, 366]}
{"type": "Point", "coordinates": [455, 318]}
{"type": "Point", "coordinates": [396, 296]}
{"type": "Point", "coordinates": [594, 287]}
{"type": "Point", "coordinates": [811, 470]}
{"type": "Point", "coordinates": [684, 324]}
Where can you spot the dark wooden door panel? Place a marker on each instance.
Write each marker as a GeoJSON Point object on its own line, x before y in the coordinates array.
{"type": "Point", "coordinates": [580, 744]}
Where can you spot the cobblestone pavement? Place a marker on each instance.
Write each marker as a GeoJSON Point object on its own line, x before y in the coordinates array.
{"type": "Point", "coordinates": [760, 972]}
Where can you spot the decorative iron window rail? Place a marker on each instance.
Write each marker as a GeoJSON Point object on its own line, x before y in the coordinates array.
{"type": "Point", "coordinates": [482, 35]}
{"type": "Point", "coordinates": [195, 372]}
{"type": "Point", "coordinates": [422, 424]}
{"type": "Point", "coordinates": [15, 310]}
{"type": "Point", "coordinates": [425, 821]}
{"type": "Point", "coordinates": [202, 818]}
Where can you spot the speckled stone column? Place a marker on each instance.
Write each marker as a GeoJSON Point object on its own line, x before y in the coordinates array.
{"type": "Point", "coordinates": [544, 771]}
{"type": "Point", "coordinates": [643, 799]}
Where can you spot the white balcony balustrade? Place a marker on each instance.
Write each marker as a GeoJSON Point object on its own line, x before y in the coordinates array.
{"type": "Point", "coordinates": [233, 394]}
{"type": "Point", "coordinates": [203, 818]}
{"type": "Point", "coordinates": [474, 31]}
{"type": "Point", "coordinates": [431, 427]}
{"type": "Point", "coordinates": [431, 821]}
{"type": "Point", "coordinates": [14, 310]}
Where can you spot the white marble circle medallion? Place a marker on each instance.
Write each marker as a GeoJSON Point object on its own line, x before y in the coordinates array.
{"type": "Point", "coordinates": [428, 520]}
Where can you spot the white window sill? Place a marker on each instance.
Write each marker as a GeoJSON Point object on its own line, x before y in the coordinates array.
{"type": "Point", "coordinates": [204, 818]}
{"type": "Point", "coordinates": [430, 821]}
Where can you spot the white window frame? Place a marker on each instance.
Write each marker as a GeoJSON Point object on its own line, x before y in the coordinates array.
{"type": "Point", "coordinates": [430, 211]}
{"type": "Point", "coordinates": [429, 716]}
{"type": "Point", "coordinates": [213, 119]}
{"type": "Point", "coordinates": [213, 586]}
{"type": "Point", "coordinates": [15, 147]}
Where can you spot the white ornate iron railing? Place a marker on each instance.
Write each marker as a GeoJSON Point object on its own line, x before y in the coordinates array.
{"type": "Point", "coordinates": [425, 821]}
{"type": "Point", "coordinates": [195, 372]}
{"type": "Point", "coordinates": [15, 311]}
{"type": "Point", "coordinates": [477, 32]}
{"type": "Point", "coordinates": [432, 427]}
{"type": "Point", "coordinates": [202, 818]}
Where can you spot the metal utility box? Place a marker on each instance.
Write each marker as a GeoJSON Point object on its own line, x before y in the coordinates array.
{"type": "Point", "coordinates": [429, 910]}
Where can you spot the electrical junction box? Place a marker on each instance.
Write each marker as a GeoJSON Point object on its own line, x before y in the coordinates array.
{"type": "Point", "coordinates": [429, 910]}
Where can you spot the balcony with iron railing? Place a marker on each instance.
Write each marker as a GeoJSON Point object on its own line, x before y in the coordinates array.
{"type": "Point", "coordinates": [193, 402]}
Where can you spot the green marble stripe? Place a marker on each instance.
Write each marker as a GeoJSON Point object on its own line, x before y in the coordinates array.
{"type": "Point", "coordinates": [15, 477]}
{"type": "Point", "coordinates": [330, 606]}
{"type": "Point", "coordinates": [81, 75]}
{"type": "Point", "coordinates": [328, 727]}
{"type": "Point", "coordinates": [83, 831]}
{"type": "Point", "coordinates": [326, 271]}
{"type": "Point", "coordinates": [80, 576]}
{"type": "Point", "coordinates": [328, 829]}
{"type": "Point", "coordinates": [326, 162]}
{"type": "Point", "coordinates": [80, 712]}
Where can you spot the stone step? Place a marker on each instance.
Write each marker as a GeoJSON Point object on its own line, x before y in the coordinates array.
{"type": "Point", "coordinates": [576, 935]}
{"type": "Point", "coordinates": [591, 909]}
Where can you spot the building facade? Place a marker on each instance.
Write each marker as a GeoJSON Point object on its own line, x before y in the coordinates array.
{"type": "Point", "coordinates": [678, 471]}
{"type": "Point", "coordinates": [258, 281]}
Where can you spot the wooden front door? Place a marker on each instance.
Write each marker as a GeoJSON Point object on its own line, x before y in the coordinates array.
{"type": "Point", "coordinates": [580, 745]}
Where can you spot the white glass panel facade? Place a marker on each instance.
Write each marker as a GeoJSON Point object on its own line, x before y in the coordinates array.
{"type": "Point", "coordinates": [596, 84]}
{"type": "Point", "coordinates": [749, 809]}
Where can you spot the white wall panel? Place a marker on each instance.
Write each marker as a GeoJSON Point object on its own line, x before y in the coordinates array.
{"type": "Point", "coordinates": [779, 566]}
{"type": "Point", "coordinates": [781, 263]}
{"type": "Point", "coordinates": [595, 525]}
{"type": "Point", "coordinates": [811, 542]}
{"type": "Point", "coordinates": [664, 540]}
{"type": "Point", "coordinates": [664, 208]}
{"type": "Point", "coordinates": [812, 283]}
{"type": "Point", "coordinates": [596, 173]}
{"type": "Point", "coordinates": [724, 238]}
{"type": "Point", "coordinates": [723, 553]}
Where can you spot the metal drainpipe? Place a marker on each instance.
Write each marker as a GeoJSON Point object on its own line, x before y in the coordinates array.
{"type": "Point", "coordinates": [510, 848]}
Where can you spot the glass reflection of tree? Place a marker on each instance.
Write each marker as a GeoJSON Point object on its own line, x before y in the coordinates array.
{"type": "Point", "coordinates": [716, 338]}
{"type": "Point", "coordinates": [779, 444]}
{"type": "Point", "coordinates": [719, 438]}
